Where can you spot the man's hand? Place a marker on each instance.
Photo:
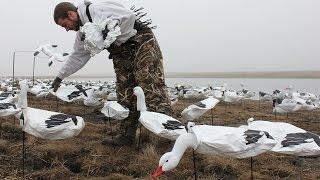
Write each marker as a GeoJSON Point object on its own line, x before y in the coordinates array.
{"type": "Point", "coordinates": [56, 84]}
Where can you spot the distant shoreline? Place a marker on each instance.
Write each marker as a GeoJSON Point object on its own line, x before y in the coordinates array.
{"type": "Point", "coordinates": [257, 74]}
{"type": "Point", "coordinates": [260, 74]}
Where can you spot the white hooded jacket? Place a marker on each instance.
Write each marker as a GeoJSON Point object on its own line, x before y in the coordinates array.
{"type": "Point", "coordinates": [125, 17]}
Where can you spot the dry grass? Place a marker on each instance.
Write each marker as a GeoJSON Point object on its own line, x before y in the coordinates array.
{"type": "Point", "coordinates": [84, 157]}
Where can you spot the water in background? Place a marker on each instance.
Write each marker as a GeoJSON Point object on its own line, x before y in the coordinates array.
{"type": "Point", "coordinates": [254, 84]}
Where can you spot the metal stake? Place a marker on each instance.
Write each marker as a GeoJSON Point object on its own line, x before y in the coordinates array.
{"type": "Point", "coordinates": [194, 165]}
{"type": "Point", "coordinates": [57, 100]}
{"type": "Point", "coordinates": [110, 128]}
{"type": "Point", "coordinates": [139, 141]}
{"type": "Point", "coordinates": [211, 117]}
{"type": "Point", "coordinates": [259, 103]}
{"type": "Point", "coordinates": [23, 149]}
{"type": "Point", "coordinates": [251, 167]}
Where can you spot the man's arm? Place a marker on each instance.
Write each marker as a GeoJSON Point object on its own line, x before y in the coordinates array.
{"type": "Point", "coordinates": [76, 61]}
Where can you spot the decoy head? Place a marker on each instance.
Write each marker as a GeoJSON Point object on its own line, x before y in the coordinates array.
{"type": "Point", "coordinates": [36, 53]}
{"type": "Point", "coordinates": [250, 120]}
{"type": "Point", "coordinates": [167, 162]}
{"type": "Point", "coordinates": [137, 90]}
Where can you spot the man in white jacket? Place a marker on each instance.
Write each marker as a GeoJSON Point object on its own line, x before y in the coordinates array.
{"type": "Point", "coordinates": [136, 57]}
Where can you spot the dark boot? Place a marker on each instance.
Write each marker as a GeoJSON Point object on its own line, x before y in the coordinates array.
{"type": "Point", "coordinates": [128, 132]}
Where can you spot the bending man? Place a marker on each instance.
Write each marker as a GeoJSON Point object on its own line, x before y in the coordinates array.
{"type": "Point", "coordinates": [136, 57]}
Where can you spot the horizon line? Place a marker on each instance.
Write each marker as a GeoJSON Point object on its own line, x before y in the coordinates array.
{"type": "Point", "coordinates": [227, 74]}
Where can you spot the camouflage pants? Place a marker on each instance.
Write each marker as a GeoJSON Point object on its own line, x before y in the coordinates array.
{"type": "Point", "coordinates": [139, 62]}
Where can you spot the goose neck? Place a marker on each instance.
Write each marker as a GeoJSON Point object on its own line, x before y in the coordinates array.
{"type": "Point", "coordinates": [184, 141]}
{"type": "Point", "coordinates": [141, 103]}
{"type": "Point", "coordinates": [23, 100]}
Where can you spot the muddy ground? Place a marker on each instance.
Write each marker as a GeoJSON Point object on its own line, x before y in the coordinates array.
{"type": "Point", "coordinates": [84, 157]}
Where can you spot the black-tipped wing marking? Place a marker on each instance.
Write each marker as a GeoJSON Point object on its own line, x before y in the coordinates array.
{"type": "Point", "coordinates": [252, 136]}
{"type": "Point", "coordinates": [58, 119]}
{"type": "Point", "coordinates": [172, 125]}
{"type": "Point", "coordinates": [7, 106]}
{"type": "Point", "coordinates": [4, 95]}
{"type": "Point", "coordinates": [200, 104]}
{"type": "Point", "coordinates": [293, 139]}
{"type": "Point", "coordinates": [22, 117]}
{"type": "Point", "coordinates": [245, 91]}
{"type": "Point", "coordinates": [262, 94]}
{"type": "Point", "coordinates": [75, 94]}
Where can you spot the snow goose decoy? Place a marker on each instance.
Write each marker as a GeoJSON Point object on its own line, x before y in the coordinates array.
{"type": "Point", "coordinates": [290, 139]}
{"type": "Point", "coordinates": [194, 111]}
{"type": "Point", "coordinates": [231, 96]}
{"type": "Point", "coordinates": [309, 106]}
{"type": "Point", "coordinates": [7, 104]}
{"type": "Point", "coordinates": [40, 90]}
{"type": "Point", "coordinates": [7, 109]}
{"type": "Point", "coordinates": [247, 94]}
{"type": "Point", "coordinates": [112, 96]}
{"type": "Point", "coordinates": [8, 97]}
{"type": "Point", "coordinates": [47, 50]}
{"type": "Point", "coordinates": [218, 91]}
{"type": "Point", "coordinates": [285, 106]}
{"type": "Point", "coordinates": [71, 93]}
{"type": "Point", "coordinates": [263, 96]}
{"type": "Point", "coordinates": [194, 93]}
{"type": "Point", "coordinates": [236, 142]}
{"type": "Point", "coordinates": [47, 124]}
{"type": "Point", "coordinates": [158, 123]}
{"type": "Point", "coordinates": [93, 99]}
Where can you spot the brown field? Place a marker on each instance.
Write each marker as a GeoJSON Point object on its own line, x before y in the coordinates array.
{"type": "Point", "coordinates": [84, 157]}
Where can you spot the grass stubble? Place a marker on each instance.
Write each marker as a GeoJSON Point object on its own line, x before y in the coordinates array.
{"type": "Point", "coordinates": [84, 157]}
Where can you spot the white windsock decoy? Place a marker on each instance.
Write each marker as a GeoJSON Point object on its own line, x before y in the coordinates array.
{"type": "Point", "coordinates": [115, 110]}
{"type": "Point", "coordinates": [286, 106]}
{"type": "Point", "coordinates": [192, 93]}
{"type": "Point", "coordinates": [309, 106]}
{"type": "Point", "coordinates": [196, 110]}
{"type": "Point", "coordinates": [7, 109]}
{"type": "Point", "coordinates": [40, 90]}
{"type": "Point", "coordinates": [231, 96]}
{"type": "Point", "coordinates": [8, 97]}
{"type": "Point", "coordinates": [218, 91]}
{"type": "Point", "coordinates": [173, 100]}
{"type": "Point", "coordinates": [306, 96]}
{"type": "Point", "coordinates": [263, 96]}
{"type": "Point", "coordinates": [93, 99]}
{"type": "Point", "coordinates": [237, 142]}
{"type": "Point", "coordinates": [290, 139]}
{"type": "Point", "coordinates": [158, 123]}
{"type": "Point", "coordinates": [112, 96]}
{"type": "Point", "coordinates": [71, 93]}
{"type": "Point", "coordinates": [7, 104]}
{"type": "Point", "coordinates": [47, 124]}
{"type": "Point", "coordinates": [95, 41]}
{"type": "Point", "coordinates": [247, 94]}
{"type": "Point", "coordinates": [47, 50]}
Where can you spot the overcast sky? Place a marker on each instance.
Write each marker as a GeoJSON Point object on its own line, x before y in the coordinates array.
{"type": "Point", "coordinates": [195, 36]}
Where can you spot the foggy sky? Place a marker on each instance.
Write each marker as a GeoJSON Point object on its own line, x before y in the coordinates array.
{"type": "Point", "coordinates": [195, 36]}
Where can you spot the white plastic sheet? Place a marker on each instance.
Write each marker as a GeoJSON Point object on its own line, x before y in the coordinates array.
{"type": "Point", "coordinates": [290, 139]}
{"type": "Point", "coordinates": [162, 125]}
{"type": "Point", "coordinates": [230, 141]}
{"type": "Point", "coordinates": [194, 111]}
{"type": "Point", "coordinates": [114, 110]}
